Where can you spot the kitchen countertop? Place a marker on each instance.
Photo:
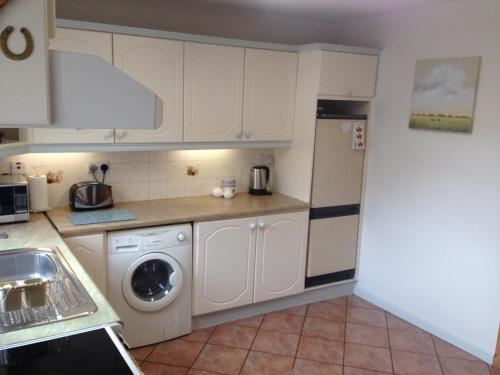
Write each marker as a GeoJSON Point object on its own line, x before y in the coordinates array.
{"type": "Point", "coordinates": [182, 210]}
{"type": "Point", "coordinates": [38, 232]}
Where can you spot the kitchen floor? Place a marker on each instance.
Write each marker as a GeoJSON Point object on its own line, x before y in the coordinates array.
{"type": "Point", "coordinates": [341, 336]}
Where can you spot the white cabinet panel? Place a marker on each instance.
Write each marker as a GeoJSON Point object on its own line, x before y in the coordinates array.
{"type": "Point", "coordinates": [269, 95]}
{"type": "Point", "coordinates": [83, 41]}
{"type": "Point", "coordinates": [24, 84]}
{"type": "Point", "coordinates": [281, 255]}
{"type": "Point", "coordinates": [213, 92]}
{"type": "Point", "coordinates": [158, 65]}
{"type": "Point", "coordinates": [91, 253]}
{"type": "Point", "coordinates": [224, 261]}
{"type": "Point", "coordinates": [87, 42]}
{"type": "Point", "coordinates": [347, 74]}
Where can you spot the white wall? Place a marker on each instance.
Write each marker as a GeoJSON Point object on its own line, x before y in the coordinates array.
{"type": "Point", "coordinates": [431, 237]}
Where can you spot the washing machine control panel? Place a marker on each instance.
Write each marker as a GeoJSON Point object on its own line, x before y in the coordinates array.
{"type": "Point", "coordinates": [150, 240]}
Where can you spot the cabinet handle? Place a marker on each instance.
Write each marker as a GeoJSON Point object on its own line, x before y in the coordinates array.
{"type": "Point", "coordinates": [121, 134]}
{"type": "Point", "coordinates": [248, 135]}
{"type": "Point", "coordinates": [262, 226]}
{"type": "Point", "coordinates": [252, 226]}
{"type": "Point", "coordinates": [238, 135]}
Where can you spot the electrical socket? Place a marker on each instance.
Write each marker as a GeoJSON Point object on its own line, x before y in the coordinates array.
{"type": "Point", "coordinates": [98, 166]}
{"type": "Point", "coordinates": [18, 167]}
{"type": "Point", "coordinates": [266, 159]}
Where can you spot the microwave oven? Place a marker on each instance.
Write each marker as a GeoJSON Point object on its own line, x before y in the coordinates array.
{"type": "Point", "coordinates": [13, 199]}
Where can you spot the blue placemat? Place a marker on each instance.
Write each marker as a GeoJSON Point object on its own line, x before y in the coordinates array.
{"type": "Point", "coordinates": [100, 216]}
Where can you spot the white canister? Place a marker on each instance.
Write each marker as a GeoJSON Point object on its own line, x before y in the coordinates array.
{"type": "Point", "coordinates": [38, 193]}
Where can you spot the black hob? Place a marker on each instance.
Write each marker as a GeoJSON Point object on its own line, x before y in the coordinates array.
{"type": "Point", "coordinates": [89, 353]}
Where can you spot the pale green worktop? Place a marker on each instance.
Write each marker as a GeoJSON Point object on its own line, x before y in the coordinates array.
{"type": "Point", "coordinates": [39, 233]}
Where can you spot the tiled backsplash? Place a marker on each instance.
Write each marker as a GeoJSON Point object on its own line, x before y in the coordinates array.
{"type": "Point", "coordinates": [144, 175]}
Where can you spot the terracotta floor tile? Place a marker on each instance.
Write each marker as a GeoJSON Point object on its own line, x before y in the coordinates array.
{"type": "Point", "coordinates": [176, 352]}
{"type": "Point", "coordinates": [199, 372]}
{"type": "Point", "coordinates": [327, 311]}
{"type": "Point", "coordinates": [359, 371]}
{"type": "Point", "coordinates": [221, 359]}
{"type": "Point", "coordinates": [327, 329]}
{"type": "Point", "coordinates": [452, 366]}
{"type": "Point", "coordinates": [445, 349]}
{"type": "Point", "coordinates": [252, 322]}
{"type": "Point", "coordinates": [415, 364]}
{"type": "Point", "coordinates": [337, 301]}
{"type": "Point", "coordinates": [297, 310]}
{"type": "Point", "coordinates": [369, 317]}
{"type": "Point", "coordinates": [355, 301]}
{"type": "Point", "coordinates": [411, 342]}
{"type": "Point", "coordinates": [322, 350]}
{"type": "Point", "coordinates": [235, 336]}
{"type": "Point", "coordinates": [140, 354]}
{"type": "Point", "coordinates": [286, 323]}
{"type": "Point", "coordinates": [393, 322]}
{"type": "Point", "coordinates": [149, 368]}
{"type": "Point", "coordinates": [276, 343]}
{"type": "Point", "coordinates": [367, 357]}
{"type": "Point", "coordinates": [200, 335]}
{"type": "Point", "coordinates": [304, 367]}
{"type": "Point", "coordinates": [267, 364]}
{"type": "Point", "coordinates": [367, 335]}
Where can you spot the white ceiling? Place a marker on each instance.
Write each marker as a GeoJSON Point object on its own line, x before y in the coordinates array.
{"type": "Point", "coordinates": [333, 10]}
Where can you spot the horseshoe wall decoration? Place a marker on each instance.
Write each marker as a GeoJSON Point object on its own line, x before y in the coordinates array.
{"type": "Point", "coordinates": [28, 50]}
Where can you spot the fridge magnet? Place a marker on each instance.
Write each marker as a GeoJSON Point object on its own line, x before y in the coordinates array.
{"type": "Point", "coordinates": [444, 94]}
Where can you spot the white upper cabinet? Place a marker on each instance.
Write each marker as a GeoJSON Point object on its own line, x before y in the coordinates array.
{"type": "Point", "coordinates": [213, 92]}
{"type": "Point", "coordinates": [24, 83]}
{"type": "Point", "coordinates": [269, 95]}
{"type": "Point", "coordinates": [224, 261]}
{"type": "Point", "coordinates": [90, 43]}
{"type": "Point", "coordinates": [83, 41]}
{"type": "Point", "coordinates": [281, 255]}
{"type": "Point", "coordinates": [158, 65]}
{"type": "Point", "coordinates": [347, 74]}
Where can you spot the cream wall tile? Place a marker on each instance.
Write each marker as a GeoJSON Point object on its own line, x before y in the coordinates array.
{"type": "Point", "coordinates": [176, 170]}
{"type": "Point", "coordinates": [159, 156]}
{"type": "Point", "coordinates": [175, 189]}
{"type": "Point", "coordinates": [193, 188]}
{"type": "Point", "coordinates": [119, 173]}
{"type": "Point", "coordinates": [158, 171]}
{"type": "Point", "coordinates": [139, 191]}
{"type": "Point", "coordinates": [121, 192]}
{"type": "Point", "coordinates": [139, 172]}
{"type": "Point", "coordinates": [157, 190]}
{"type": "Point", "coordinates": [140, 157]}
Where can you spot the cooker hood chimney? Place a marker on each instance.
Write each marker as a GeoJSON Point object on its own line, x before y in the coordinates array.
{"type": "Point", "coordinates": [87, 92]}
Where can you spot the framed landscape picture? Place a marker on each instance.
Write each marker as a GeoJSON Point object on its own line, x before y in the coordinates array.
{"type": "Point", "coordinates": [444, 94]}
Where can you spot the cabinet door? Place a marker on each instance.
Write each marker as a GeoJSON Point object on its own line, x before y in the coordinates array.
{"type": "Point", "coordinates": [280, 261]}
{"type": "Point", "coordinates": [269, 95]}
{"type": "Point", "coordinates": [91, 253]}
{"type": "Point", "coordinates": [213, 92]}
{"type": "Point", "coordinates": [348, 74]}
{"type": "Point", "coordinates": [158, 65]}
{"type": "Point", "coordinates": [224, 261]}
{"type": "Point", "coordinates": [24, 84]}
{"type": "Point", "coordinates": [80, 41]}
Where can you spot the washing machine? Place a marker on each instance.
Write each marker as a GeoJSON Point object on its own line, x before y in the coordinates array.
{"type": "Point", "coordinates": [149, 282]}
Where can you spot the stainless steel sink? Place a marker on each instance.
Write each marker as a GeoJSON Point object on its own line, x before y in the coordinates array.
{"type": "Point", "coordinates": [37, 286]}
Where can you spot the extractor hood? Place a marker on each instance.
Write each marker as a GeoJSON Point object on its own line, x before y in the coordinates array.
{"type": "Point", "coordinates": [88, 92]}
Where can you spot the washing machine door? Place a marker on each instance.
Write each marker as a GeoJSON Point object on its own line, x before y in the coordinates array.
{"type": "Point", "coordinates": [152, 282]}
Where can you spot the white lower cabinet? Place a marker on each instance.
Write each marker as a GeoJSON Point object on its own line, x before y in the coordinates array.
{"type": "Point", "coordinates": [281, 255]}
{"type": "Point", "coordinates": [224, 261]}
{"type": "Point", "coordinates": [91, 253]}
{"type": "Point", "coordinates": [242, 261]}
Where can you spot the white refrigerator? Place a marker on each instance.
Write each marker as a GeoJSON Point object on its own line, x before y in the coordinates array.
{"type": "Point", "coordinates": [335, 200]}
